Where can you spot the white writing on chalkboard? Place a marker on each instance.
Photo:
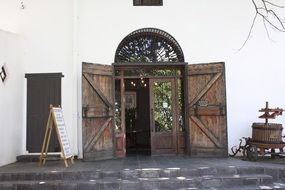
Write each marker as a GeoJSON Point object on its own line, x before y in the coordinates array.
{"type": "Point", "coordinates": [63, 137]}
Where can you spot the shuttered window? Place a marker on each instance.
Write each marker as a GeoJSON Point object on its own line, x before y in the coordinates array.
{"type": "Point", "coordinates": [43, 89]}
{"type": "Point", "coordinates": [147, 2]}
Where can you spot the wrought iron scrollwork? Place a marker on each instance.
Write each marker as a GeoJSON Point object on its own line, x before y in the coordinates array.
{"type": "Point", "coordinates": [248, 150]}
{"type": "Point", "coordinates": [149, 45]}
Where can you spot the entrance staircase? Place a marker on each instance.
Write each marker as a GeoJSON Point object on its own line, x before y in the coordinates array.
{"type": "Point", "coordinates": [145, 172]}
{"type": "Point", "coordinates": [148, 178]}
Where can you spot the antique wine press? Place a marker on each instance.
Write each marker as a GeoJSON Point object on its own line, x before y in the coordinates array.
{"type": "Point", "coordinates": [267, 135]}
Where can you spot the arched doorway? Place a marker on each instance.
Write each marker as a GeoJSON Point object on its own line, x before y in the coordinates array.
{"type": "Point", "coordinates": [149, 69]}
{"type": "Point", "coordinates": [150, 101]}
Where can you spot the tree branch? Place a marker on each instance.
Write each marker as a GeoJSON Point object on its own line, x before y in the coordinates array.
{"type": "Point", "coordinates": [275, 5]}
{"type": "Point", "coordinates": [249, 33]}
{"type": "Point", "coordinates": [267, 32]}
{"type": "Point", "coordinates": [265, 10]}
{"type": "Point", "coordinates": [279, 25]}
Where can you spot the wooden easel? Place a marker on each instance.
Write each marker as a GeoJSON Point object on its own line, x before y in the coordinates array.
{"type": "Point", "coordinates": [55, 119]}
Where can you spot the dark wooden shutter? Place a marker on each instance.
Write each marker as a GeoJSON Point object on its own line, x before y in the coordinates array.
{"type": "Point", "coordinates": [43, 89]}
{"type": "Point", "coordinates": [98, 111]}
{"type": "Point", "coordinates": [147, 2]}
{"type": "Point", "coordinates": [207, 109]}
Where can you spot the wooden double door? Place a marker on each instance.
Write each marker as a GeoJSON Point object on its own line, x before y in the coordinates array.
{"type": "Point", "coordinates": [187, 113]}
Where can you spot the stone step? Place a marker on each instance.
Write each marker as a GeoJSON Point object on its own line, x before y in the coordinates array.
{"type": "Point", "coordinates": [35, 158]}
{"type": "Point", "coordinates": [277, 186]}
{"type": "Point", "coordinates": [131, 174]}
{"type": "Point", "coordinates": [190, 182]}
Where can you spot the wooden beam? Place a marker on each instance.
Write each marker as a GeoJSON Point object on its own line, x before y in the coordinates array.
{"type": "Point", "coordinates": [94, 140]}
{"type": "Point", "coordinates": [207, 132]}
{"type": "Point", "coordinates": [212, 110]}
{"type": "Point", "coordinates": [97, 69]}
{"type": "Point", "coordinates": [205, 90]}
{"type": "Point", "coordinates": [98, 91]}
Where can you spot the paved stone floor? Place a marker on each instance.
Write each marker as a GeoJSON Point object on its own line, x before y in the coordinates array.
{"type": "Point", "coordinates": [141, 162]}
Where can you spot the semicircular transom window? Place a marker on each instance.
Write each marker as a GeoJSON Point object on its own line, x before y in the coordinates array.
{"type": "Point", "coordinates": [149, 45]}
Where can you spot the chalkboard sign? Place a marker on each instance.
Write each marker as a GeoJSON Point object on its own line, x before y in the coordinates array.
{"type": "Point", "coordinates": [56, 120]}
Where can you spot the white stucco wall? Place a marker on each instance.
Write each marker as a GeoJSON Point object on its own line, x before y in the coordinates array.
{"type": "Point", "coordinates": [11, 98]}
{"type": "Point", "coordinates": [207, 31]}
{"type": "Point", "coordinates": [47, 30]}
{"type": "Point", "coordinates": [58, 35]}
{"type": "Point", "coordinates": [9, 15]}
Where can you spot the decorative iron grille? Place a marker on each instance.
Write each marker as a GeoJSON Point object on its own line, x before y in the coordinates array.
{"type": "Point", "coordinates": [149, 45]}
